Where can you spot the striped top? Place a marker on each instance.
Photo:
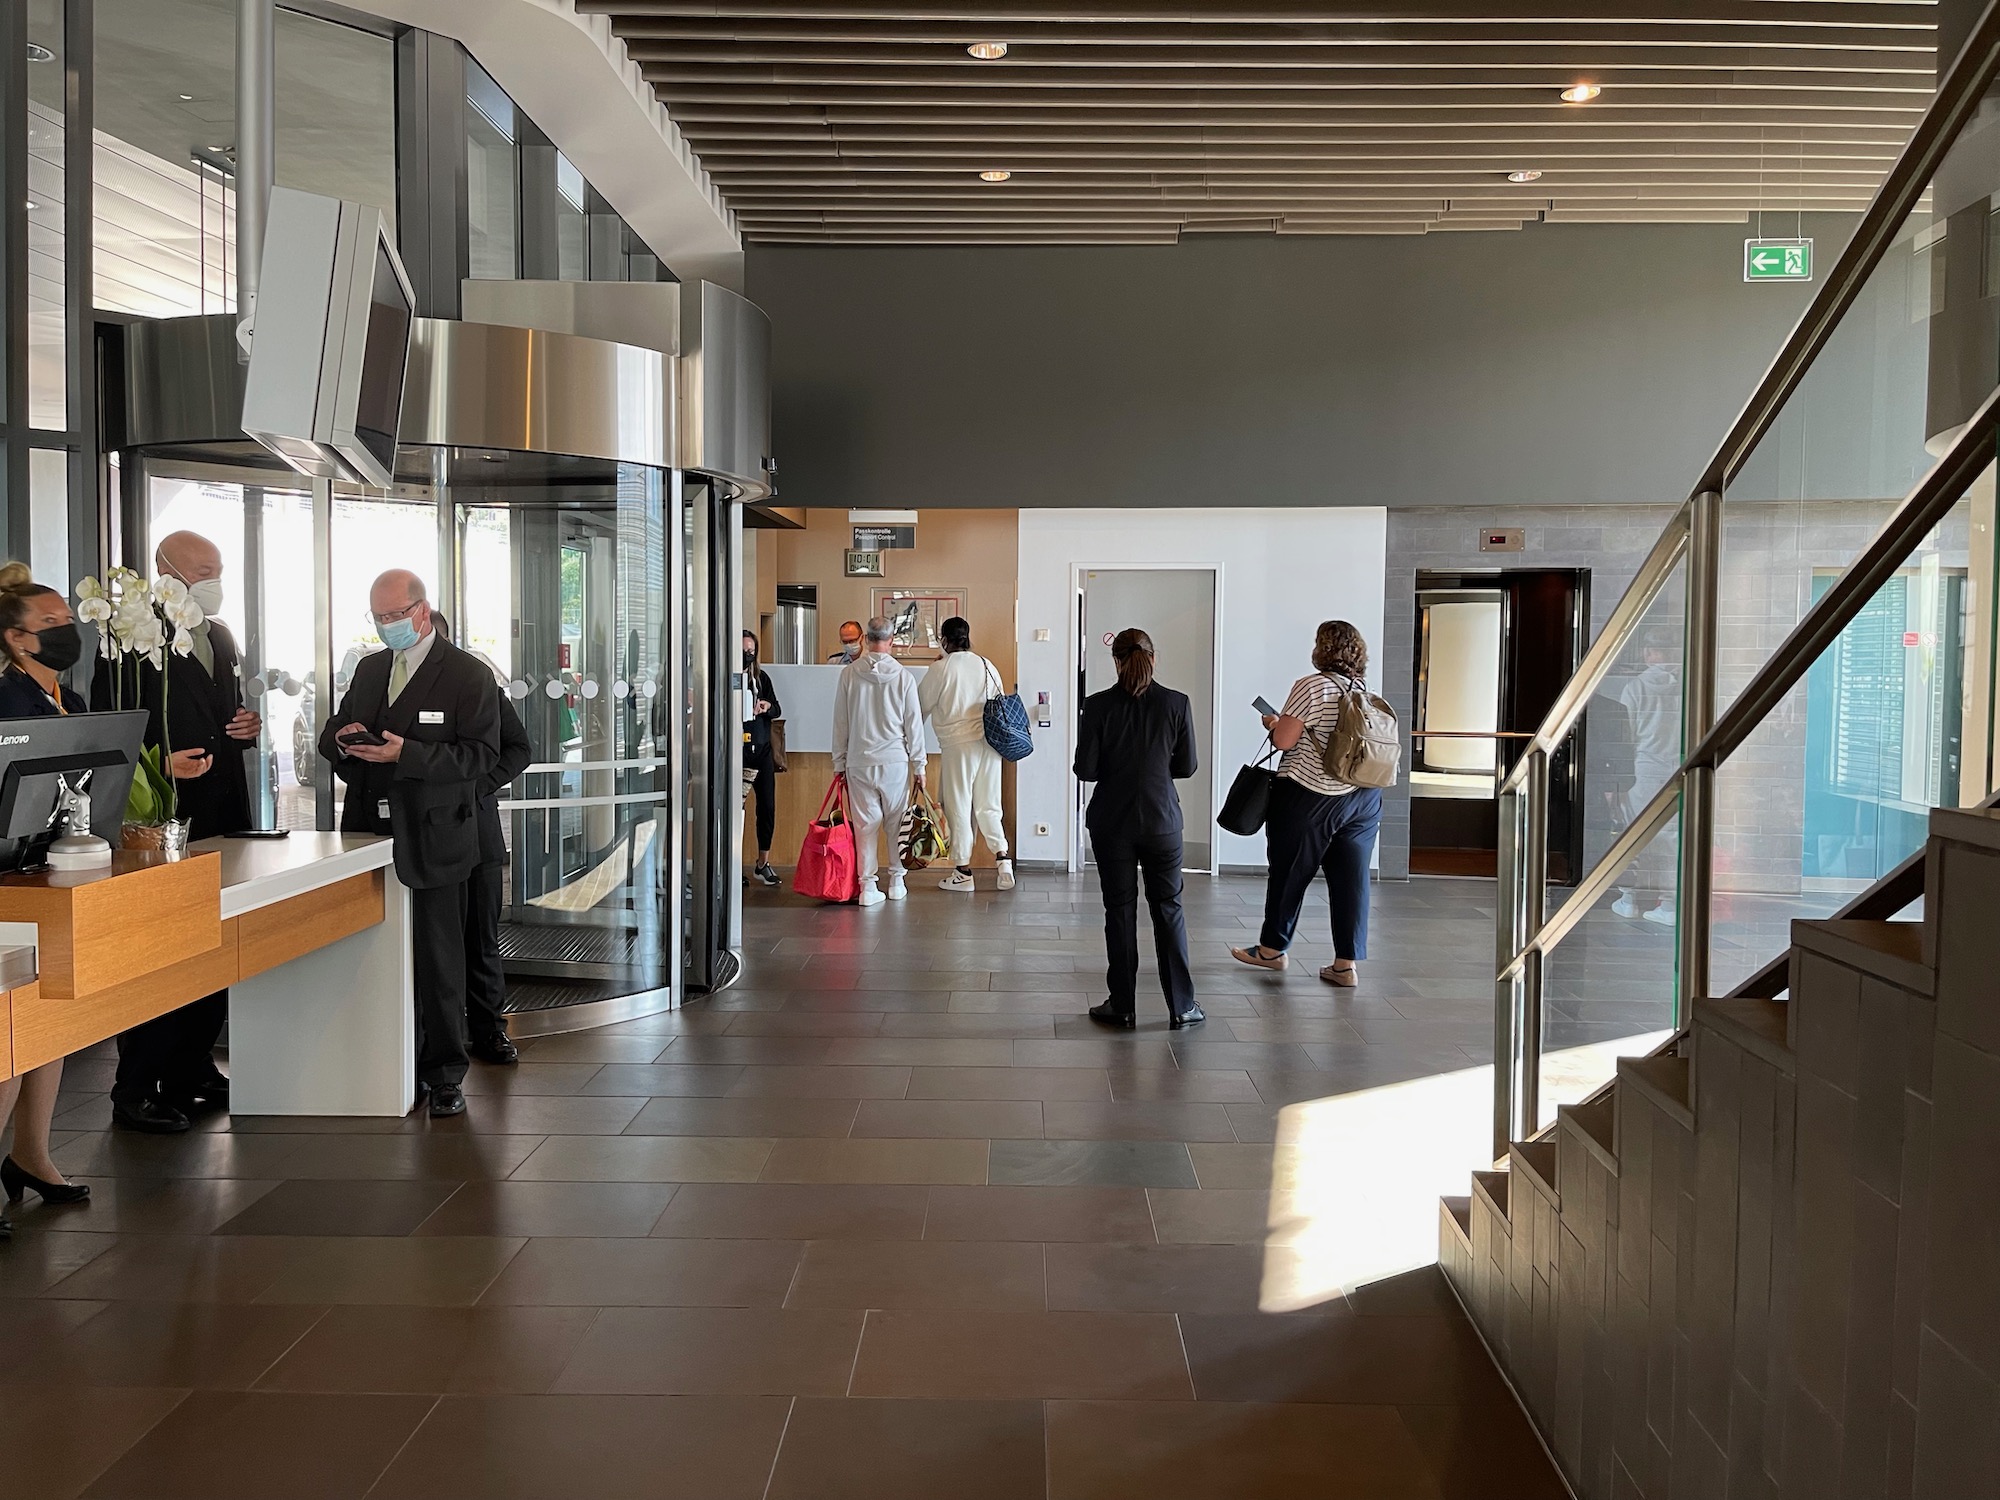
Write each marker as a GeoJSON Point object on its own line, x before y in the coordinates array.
{"type": "Point", "coordinates": [1315, 702]}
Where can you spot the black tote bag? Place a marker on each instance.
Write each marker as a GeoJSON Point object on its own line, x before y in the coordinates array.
{"type": "Point", "coordinates": [1249, 800]}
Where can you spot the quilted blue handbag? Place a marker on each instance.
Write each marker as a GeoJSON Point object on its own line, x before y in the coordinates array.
{"type": "Point", "coordinates": [1006, 722]}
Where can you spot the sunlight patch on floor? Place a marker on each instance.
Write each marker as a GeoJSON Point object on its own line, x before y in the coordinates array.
{"type": "Point", "coordinates": [1356, 1178]}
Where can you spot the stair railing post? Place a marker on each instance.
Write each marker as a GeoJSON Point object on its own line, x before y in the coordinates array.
{"type": "Point", "coordinates": [1508, 922]}
{"type": "Point", "coordinates": [1697, 820]}
{"type": "Point", "coordinates": [1534, 866]}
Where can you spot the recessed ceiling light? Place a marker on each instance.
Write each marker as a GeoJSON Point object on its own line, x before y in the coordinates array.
{"type": "Point", "coordinates": [187, 98]}
{"type": "Point", "coordinates": [31, 203]}
{"type": "Point", "coordinates": [1524, 176]}
{"type": "Point", "coordinates": [994, 176]}
{"type": "Point", "coordinates": [988, 51]}
{"type": "Point", "coordinates": [1583, 93]}
{"type": "Point", "coordinates": [38, 53]}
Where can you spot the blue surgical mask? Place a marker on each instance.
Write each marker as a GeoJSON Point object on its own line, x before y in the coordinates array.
{"type": "Point", "coordinates": [399, 635]}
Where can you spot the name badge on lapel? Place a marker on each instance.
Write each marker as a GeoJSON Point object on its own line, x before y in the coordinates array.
{"type": "Point", "coordinates": [382, 809]}
{"type": "Point", "coordinates": [430, 716]}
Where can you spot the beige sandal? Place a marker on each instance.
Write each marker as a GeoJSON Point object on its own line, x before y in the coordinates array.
{"type": "Point", "coordinates": [1345, 979]}
{"type": "Point", "coordinates": [1256, 959]}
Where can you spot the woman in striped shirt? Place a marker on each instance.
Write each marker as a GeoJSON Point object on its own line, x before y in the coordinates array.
{"type": "Point", "coordinates": [1316, 825]}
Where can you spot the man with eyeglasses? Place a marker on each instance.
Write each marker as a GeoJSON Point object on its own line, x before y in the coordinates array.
{"type": "Point", "coordinates": [416, 731]}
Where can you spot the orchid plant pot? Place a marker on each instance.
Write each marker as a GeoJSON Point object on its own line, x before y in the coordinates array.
{"type": "Point", "coordinates": [169, 838]}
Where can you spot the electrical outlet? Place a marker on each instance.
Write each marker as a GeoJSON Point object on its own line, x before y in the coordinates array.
{"type": "Point", "coordinates": [1041, 830]}
{"type": "Point", "coordinates": [1041, 633]}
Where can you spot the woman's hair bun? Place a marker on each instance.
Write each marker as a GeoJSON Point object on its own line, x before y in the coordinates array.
{"type": "Point", "coordinates": [16, 575]}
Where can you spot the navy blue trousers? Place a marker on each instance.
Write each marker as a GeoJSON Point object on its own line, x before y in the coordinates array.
{"type": "Point", "coordinates": [1308, 834]}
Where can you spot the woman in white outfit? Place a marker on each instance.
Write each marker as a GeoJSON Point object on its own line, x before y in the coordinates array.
{"type": "Point", "coordinates": [878, 745]}
{"type": "Point", "coordinates": [953, 696]}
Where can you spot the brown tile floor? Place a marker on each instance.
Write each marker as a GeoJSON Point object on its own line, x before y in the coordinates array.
{"type": "Point", "coordinates": [890, 1219]}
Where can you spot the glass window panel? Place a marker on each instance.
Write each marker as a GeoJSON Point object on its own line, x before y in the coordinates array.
{"type": "Point", "coordinates": [492, 179]}
{"type": "Point", "coordinates": [48, 516]}
{"type": "Point", "coordinates": [572, 222]}
{"type": "Point", "coordinates": [48, 380]}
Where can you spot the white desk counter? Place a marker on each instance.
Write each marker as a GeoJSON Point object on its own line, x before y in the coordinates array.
{"type": "Point", "coordinates": [318, 1027]}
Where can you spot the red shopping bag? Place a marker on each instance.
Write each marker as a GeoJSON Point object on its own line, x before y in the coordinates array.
{"type": "Point", "coordinates": [827, 868]}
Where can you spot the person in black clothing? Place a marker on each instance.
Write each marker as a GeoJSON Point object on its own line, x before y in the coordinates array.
{"type": "Point", "coordinates": [485, 975]}
{"type": "Point", "coordinates": [758, 758]}
{"type": "Point", "coordinates": [1137, 740]}
{"type": "Point", "coordinates": [166, 1066]}
{"type": "Point", "coordinates": [41, 642]}
{"type": "Point", "coordinates": [438, 717]}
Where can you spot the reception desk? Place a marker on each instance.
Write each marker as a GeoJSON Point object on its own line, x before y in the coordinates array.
{"type": "Point", "coordinates": [806, 695]}
{"type": "Point", "coordinates": [310, 934]}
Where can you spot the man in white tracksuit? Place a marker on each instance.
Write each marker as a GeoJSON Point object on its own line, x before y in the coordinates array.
{"type": "Point", "coordinates": [953, 697]}
{"type": "Point", "coordinates": [878, 745]}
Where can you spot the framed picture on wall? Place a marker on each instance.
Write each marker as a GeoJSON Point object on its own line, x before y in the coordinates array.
{"type": "Point", "coordinates": [917, 615]}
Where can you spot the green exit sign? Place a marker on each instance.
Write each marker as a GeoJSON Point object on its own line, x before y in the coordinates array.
{"type": "Point", "coordinates": [1777, 260]}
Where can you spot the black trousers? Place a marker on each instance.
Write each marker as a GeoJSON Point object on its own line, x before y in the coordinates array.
{"type": "Point", "coordinates": [1308, 834]}
{"type": "Point", "coordinates": [485, 979]}
{"type": "Point", "coordinates": [765, 790]}
{"type": "Point", "coordinates": [171, 1054]}
{"type": "Point", "coordinates": [1121, 862]}
{"type": "Point", "coordinates": [438, 922]}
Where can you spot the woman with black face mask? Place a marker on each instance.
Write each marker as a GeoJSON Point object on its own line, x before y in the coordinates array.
{"type": "Point", "coordinates": [41, 640]}
{"type": "Point", "coordinates": [757, 761]}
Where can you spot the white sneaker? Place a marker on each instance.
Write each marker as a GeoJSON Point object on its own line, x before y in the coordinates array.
{"type": "Point", "coordinates": [1006, 881]}
{"type": "Point", "coordinates": [897, 890]}
{"type": "Point", "coordinates": [1663, 914]}
{"type": "Point", "coordinates": [869, 897]}
{"type": "Point", "coordinates": [1625, 906]}
{"type": "Point", "coordinates": [957, 880]}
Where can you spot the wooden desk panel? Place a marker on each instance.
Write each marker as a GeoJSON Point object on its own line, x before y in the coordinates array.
{"type": "Point", "coordinates": [6, 1033]}
{"type": "Point", "coordinates": [102, 928]}
{"type": "Point", "coordinates": [279, 933]}
{"type": "Point", "coordinates": [50, 1026]}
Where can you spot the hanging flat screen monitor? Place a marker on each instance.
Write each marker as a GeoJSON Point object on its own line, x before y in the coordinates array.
{"type": "Point", "coordinates": [330, 341]}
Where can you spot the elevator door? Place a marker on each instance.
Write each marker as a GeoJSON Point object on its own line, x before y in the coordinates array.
{"type": "Point", "coordinates": [1176, 607]}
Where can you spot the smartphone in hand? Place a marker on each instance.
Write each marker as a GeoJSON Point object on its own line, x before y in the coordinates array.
{"type": "Point", "coordinates": [1263, 707]}
{"type": "Point", "coordinates": [361, 737]}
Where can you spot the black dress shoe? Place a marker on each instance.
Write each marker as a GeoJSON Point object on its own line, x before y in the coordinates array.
{"type": "Point", "coordinates": [447, 1099]}
{"type": "Point", "coordinates": [16, 1180]}
{"type": "Point", "coordinates": [152, 1116]}
{"type": "Point", "coordinates": [6, 1228]}
{"type": "Point", "coordinates": [1104, 1015]}
{"type": "Point", "coordinates": [498, 1050]}
{"type": "Point", "coordinates": [211, 1093]}
{"type": "Point", "coordinates": [1192, 1016]}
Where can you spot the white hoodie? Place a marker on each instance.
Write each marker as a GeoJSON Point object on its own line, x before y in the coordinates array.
{"type": "Point", "coordinates": [953, 697]}
{"type": "Point", "coordinates": [876, 721]}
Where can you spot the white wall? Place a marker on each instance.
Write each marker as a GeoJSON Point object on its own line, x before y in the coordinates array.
{"type": "Point", "coordinates": [1281, 572]}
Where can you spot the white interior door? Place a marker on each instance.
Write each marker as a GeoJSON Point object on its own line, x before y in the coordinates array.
{"type": "Point", "coordinates": [1176, 607]}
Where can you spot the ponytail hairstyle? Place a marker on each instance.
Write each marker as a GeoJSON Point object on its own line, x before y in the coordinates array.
{"type": "Point", "coordinates": [18, 590]}
{"type": "Point", "coordinates": [1339, 649]}
{"type": "Point", "coordinates": [1133, 651]}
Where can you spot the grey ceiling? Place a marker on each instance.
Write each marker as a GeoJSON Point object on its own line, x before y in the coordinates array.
{"type": "Point", "coordinates": [1142, 120]}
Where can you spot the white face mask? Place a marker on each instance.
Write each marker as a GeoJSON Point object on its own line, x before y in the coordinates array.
{"type": "Point", "coordinates": [207, 595]}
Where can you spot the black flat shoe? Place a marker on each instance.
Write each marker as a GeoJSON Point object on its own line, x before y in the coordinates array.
{"type": "Point", "coordinates": [17, 1180]}
{"type": "Point", "coordinates": [1193, 1016]}
{"type": "Point", "coordinates": [498, 1050]}
{"type": "Point", "coordinates": [447, 1099]}
{"type": "Point", "coordinates": [149, 1116]}
{"type": "Point", "coordinates": [1104, 1015]}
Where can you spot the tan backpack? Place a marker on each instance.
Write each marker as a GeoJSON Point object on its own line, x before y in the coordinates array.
{"type": "Point", "coordinates": [1365, 748]}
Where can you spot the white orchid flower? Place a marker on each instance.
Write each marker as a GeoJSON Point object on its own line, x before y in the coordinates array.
{"type": "Point", "coordinates": [93, 609]}
{"type": "Point", "coordinates": [186, 614]}
{"type": "Point", "coordinates": [169, 591]}
{"type": "Point", "coordinates": [89, 588]}
{"type": "Point", "coordinates": [183, 644]}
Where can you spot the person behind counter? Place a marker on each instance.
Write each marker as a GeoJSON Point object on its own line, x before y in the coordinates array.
{"type": "Point", "coordinates": [850, 642]}
{"type": "Point", "coordinates": [415, 735]}
{"type": "Point", "coordinates": [758, 758]}
{"type": "Point", "coordinates": [166, 1066]}
{"type": "Point", "coordinates": [485, 973]}
{"type": "Point", "coordinates": [41, 641]}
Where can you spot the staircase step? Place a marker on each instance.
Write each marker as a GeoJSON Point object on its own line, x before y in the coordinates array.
{"type": "Point", "coordinates": [1594, 1121]}
{"type": "Point", "coordinates": [1664, 1080]}
{"type": "Point", "coordinates": [1892, 951]}
{"type": "Point", "coordinates": [1492, 1186]}
{"type": "Point", "coordinates": [1757, 1026]}
{"type": "Point", "coordinates": [1536, 1161]}
{"type": "Point", "coordinates": [1977, 826]}
{"type": "Point", "coordinates": [1458, 1214]}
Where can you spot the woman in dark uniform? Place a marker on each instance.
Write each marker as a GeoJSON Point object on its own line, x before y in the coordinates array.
{"type": "Point", "coordinates": [41, 642]}
{"type": "Point", "coordinates": [757, 757]}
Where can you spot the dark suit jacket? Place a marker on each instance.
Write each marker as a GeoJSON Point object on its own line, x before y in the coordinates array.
{"type": "Point", "coordinates": [515, 755]}
{"type": "Point", "coordinates": [199, 707]}
{"type": "Point", "coordinates": [21, 697]}
{"type": "Point", "coordinates": [1135, 749]}
{"type": "Point", "coordinates": [449, 717]}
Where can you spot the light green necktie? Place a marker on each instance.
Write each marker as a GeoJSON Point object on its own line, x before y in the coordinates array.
{"type": "Point", "coordinates": [204, 648]}
{"type": "Point", "coordinates": [399, 677]}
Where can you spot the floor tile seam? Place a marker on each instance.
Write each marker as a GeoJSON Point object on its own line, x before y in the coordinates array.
{"type": "Point", "coordinates": [403, 1447]}
{"type": "Point", "coordinates": [257, 1380]}
{"type": "Point", "coordinates": [112, 1460]}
